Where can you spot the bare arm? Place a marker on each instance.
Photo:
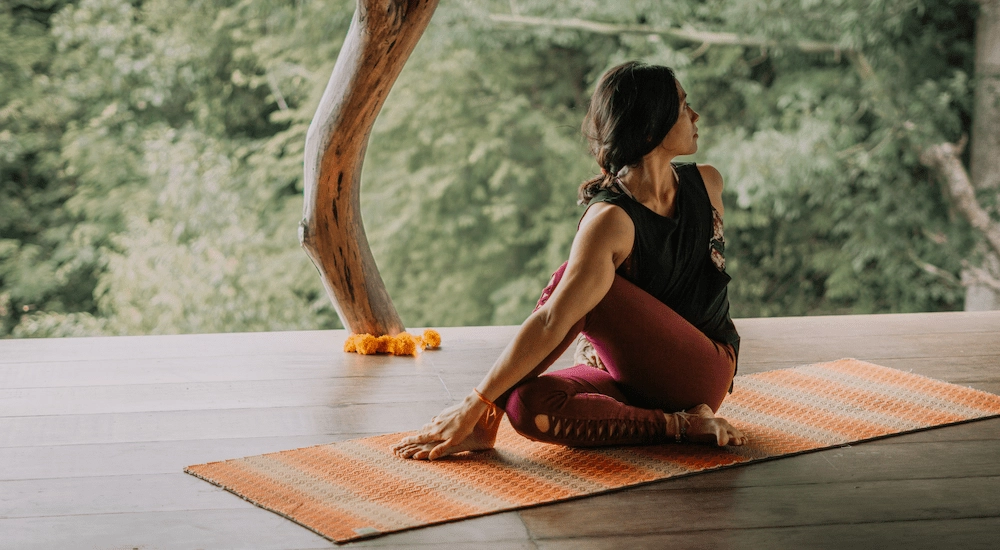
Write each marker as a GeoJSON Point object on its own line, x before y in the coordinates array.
{"type": "Point", "coordinates": [713, 184]}
{"type": "Point", "coordinates": [602, 243]}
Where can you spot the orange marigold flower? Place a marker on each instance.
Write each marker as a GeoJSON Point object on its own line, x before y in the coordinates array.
{"type": "Point", "coordinates": [367, 344]}
{"type": "Point", "coordinates": [431, 338]}
{"type": "Point", "coordinates": [351, 344]}
{"type": "Point", "coordinates": [404, 344]}
{"type": "Point", "coordinates": [385, 344]}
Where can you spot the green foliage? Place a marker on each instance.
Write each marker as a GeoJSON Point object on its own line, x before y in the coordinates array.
{"type": "Point", "coordinates": [170, 171]}
{"type": "Point", "coordinates": [834, 213]}
{"type": "Point", "coordinates": [151, 157]}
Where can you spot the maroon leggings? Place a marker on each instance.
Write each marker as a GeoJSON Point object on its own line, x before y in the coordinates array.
{"type": "Point", "coordinates": [656, 361]}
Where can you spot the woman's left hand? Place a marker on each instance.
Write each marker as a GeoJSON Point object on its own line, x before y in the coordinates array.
{"type": "Point", "coordinates": [457, 428]}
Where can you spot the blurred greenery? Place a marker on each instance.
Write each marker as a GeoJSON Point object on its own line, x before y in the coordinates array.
{"type": "Point", "coordinates": [151, 156]}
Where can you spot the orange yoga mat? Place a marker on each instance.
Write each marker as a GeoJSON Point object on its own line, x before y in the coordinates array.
{"type": "Point", "coordinates": [356, 489]}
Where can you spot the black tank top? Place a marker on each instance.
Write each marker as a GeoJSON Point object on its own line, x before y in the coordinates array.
{"type": "Point", "coordinates": [680, 260]}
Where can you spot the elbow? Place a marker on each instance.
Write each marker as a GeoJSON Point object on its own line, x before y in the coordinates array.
{"type": "Point", "coordinates": [550, 322]}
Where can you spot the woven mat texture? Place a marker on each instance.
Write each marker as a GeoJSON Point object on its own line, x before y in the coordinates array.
{"type": "Point", "coordinates": [357, 489]}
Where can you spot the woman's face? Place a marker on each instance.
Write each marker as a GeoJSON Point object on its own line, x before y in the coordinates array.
{"type": "Point", "coordinates": [682, 139]}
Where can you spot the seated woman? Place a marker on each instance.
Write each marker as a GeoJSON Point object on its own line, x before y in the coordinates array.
{"type": "Point", "coordinates": [646, 285]}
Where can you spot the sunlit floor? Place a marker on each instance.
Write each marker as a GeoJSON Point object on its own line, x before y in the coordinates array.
{"type": "Point", "coordinates": [95, 433]}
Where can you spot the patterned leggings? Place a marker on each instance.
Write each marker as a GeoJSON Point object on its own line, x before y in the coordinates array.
{"type": "Point", "coordinates": [656, 361]}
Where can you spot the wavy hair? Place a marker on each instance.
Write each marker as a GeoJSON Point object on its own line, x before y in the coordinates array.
{"type": "Point", "coordinates": [633, 108]}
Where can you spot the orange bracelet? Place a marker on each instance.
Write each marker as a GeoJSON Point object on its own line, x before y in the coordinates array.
{"type": "Point", "coordinates": [483, 399]}
{"type": "Point", "coordinates": [491, 412]}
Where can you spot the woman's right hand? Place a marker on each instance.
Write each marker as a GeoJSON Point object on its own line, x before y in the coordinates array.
{"type": "Point", "coordinates": [455, 429]}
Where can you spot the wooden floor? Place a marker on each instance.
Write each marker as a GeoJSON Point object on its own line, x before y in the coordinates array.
{"type": "Point", "coordinates": [95, 432]}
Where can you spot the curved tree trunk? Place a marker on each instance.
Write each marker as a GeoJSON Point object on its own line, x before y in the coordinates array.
{"type": "Point", "coordinates": [383, 33]}
{"type": "Point", "coordinates": [982, 292]}
{"type": "Point", "coordinates": [981, 281]}
{"type": "Point", "coordinates": [985, 145]}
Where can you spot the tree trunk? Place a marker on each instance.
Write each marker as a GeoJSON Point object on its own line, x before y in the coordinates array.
{"type": "Point", "coordinates": [985, 152]}
{"type": "Point", "coordinates": [383, 33]}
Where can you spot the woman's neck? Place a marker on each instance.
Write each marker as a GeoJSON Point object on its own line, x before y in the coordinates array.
{"type": "Point", "coordinates": [654, 183]}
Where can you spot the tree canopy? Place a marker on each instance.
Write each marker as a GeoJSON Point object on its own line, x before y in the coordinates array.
{"type": "Point", "coordinates": [151, 155]}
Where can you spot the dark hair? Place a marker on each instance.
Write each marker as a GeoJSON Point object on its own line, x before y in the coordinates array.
{"type": "Point", "coordinates": [631, 111]}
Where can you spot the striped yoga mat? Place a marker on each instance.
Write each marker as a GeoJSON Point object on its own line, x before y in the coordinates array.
{"type": "Point", "coordinates": [355, 489]}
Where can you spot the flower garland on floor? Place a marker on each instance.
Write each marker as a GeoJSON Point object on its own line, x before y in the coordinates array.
{"type": "Point", "coordinates": [403, 343]}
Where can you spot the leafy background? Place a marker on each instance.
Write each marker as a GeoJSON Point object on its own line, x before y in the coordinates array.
{"type": "Point", "coordinates": [151, 156]}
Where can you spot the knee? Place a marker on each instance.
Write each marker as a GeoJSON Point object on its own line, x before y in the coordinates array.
{"type": "Point", "coordinates": [530, 404]}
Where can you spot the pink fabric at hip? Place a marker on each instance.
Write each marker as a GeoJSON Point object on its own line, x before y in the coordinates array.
{"type": "Point", "coordinates": [656, 361]}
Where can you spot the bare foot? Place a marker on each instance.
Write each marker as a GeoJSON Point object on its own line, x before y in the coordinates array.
{"type": "Point", "coordinates": [705, 427]}
{"type": "Point", "coordinates": [483, 438]}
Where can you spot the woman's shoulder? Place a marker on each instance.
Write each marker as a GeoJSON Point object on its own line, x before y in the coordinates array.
{"type": "Point", "coordinates": [708, 177]}
{"type": "Point", "coordinates": [608, 195]}
{"type": "Point", "coordinates": [606, 213]}
{"type": "Point", "coordinates": [709, 174]}
{"type": "Point", "coordinates": [606, 227]}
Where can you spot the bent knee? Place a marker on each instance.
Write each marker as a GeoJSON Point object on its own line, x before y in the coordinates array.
{"type": "Point", "coordinates": [530, 404]}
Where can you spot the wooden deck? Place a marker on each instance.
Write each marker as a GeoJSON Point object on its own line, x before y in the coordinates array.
{"type": "Point", "coordinates": [95, 432]}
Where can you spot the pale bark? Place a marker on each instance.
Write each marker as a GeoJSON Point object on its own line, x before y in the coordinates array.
{"type": "Point", "coordinates": [985, 151]}
{"type": "Point", "coordinates": [981, 276]}
{"type": "Point", "coordinates": [945, 159]}
{"type": "Point", "coordinates": [382, 35]}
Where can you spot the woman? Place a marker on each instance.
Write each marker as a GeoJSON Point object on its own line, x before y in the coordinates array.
{"type": "Point", "coordinates": [645, 283]}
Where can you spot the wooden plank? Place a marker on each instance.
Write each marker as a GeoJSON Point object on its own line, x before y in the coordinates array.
{"type": "Point", "coordinates": [294, 364]}
{"type": "Point", "coordinates": [104, 372]}
{"type": "Point", "coordinates": [960, 370]}
{"type": "Point", "coordinates": [146, 457]}
{"type": "Point", "coordinates": [317, 344]}
{"type": "Point", "coordinates": [888, 324]}
{"type": "Point", "coordinates": [870, 349]}
{"type": "Point", "coordinates": [768, 507]}
{"type": "Point", "coordinates": [368, 419]}
{"type": "Point", "coordinates": [187, 396]}
{"type": "Point", "coordinates": [204, 369]}
{"type": "Point", "coordinates": [871, 462]}
{"type": "Point", "coordinates": [966, 533]}
{"type": "Point", "coordinates": [981, 430]}
{"type": "Point", "coordinates": [244, 527]}
{"type": "Point", "coordinates": [111, 495]}
{"type": "Point", "coordinates": [500, 531]}
{"type": "Point", "coordinates": [992, 386]}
